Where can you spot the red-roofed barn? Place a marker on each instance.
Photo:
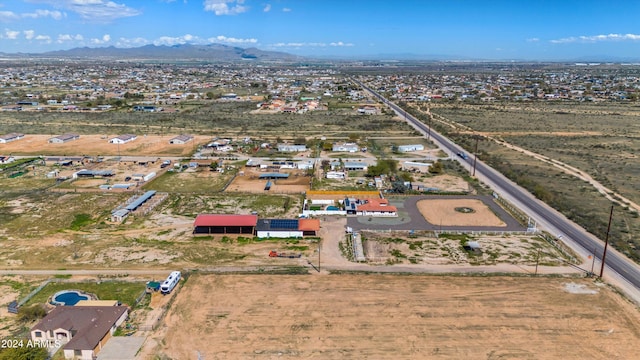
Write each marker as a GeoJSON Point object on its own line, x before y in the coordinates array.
{"type": "Point", "coordinates": [225, 224]}
{"type": "Point", "coordinates": [309, 227]}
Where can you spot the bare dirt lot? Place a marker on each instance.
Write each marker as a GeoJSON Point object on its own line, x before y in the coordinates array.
{"type": "Point", "coordinates": [446, 183]}
{"type": "Point", "coordinates": [444, 212]}
{"type": "Point", "coordinates": [391, 317]}
{"type": "Point", "coordinates": [249, 182]}
{"type": "Point", "coordinates": [95, 145]}
{"type": "Point", "coordinates": [521, 249]}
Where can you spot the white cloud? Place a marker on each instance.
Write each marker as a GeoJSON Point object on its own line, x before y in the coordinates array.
{"type": "Point", "coordinates": [267, 8]}
{"type": "Point", "coordinates": [68, 37]}
{"type": "Point", "coordinates": [56, 15]}
{"type": "Point", "coordinates": [133, 42]}
{"type": "Point", "coordinates": [597, 38]}
{"type": "Point", "coordinates": [231, 40]}
{"type": "Point", "coordinates": [178, 40]}
{"type": "Point", "coordinates": [340, 43]}
{"type": "Point", "coordinates": [11, 34]}
{"type": "Point", "coordinates": [8, 16]}
{"type": "Point", "coordinates": [96, 10]}
{"type": "Point", "coordinates": [225, 7]}
{"type": "Point", "coordinates": [105, 39]}
{"type": "Point", "coordinates": [286, 10]}
{"type": "Point", "coordinates": [29, 34]}
{"type": "Point", "coordinates": [64, 37]}
{"type": "Point", "coordinates": [533, 40]}
{"type": "Point", "coordinates": [44, 38]}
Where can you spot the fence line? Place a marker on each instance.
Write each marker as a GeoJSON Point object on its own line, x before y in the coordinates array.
{"type": "Point", "coordinates": [513, 210]}
{"type": "Point", "coordinates": [34, 292]}
{"type": "Point", "coordinates": [560, 246]}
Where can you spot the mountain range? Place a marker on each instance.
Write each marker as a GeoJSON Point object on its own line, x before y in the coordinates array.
{"type": "Point", "coordinates": [211, 52]}
{"type": "Point", "coordinates": [226, 53]}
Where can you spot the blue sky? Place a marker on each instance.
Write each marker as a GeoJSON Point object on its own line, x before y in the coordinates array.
{"type": "Point", "coordinates": [521, 30]}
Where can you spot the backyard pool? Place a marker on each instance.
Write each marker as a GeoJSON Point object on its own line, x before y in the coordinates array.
{"type": "Point", "coordinates": [68, 297]}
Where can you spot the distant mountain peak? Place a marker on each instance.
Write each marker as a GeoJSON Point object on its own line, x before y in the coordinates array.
{"type": "Point", "coordinates": [209, 52]}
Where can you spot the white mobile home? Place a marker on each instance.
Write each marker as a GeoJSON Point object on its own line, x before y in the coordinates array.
{"type": "Point", "coordinates": [410, 148]}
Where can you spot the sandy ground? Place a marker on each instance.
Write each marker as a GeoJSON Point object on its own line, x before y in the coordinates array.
{"type": "Point", "coordinates": [443, 212]}
{"type": "Point", "coordinates": [94, 145]}
{"type": "Point", "coordinates": [249, 182]}
{"type": "Point", "coordinates": [447, 183]}
{"type": "Point", "coordinates": [391, 317]}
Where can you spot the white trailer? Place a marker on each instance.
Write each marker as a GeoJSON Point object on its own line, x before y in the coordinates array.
{"type": "Point", "coordinates": [170, 283]}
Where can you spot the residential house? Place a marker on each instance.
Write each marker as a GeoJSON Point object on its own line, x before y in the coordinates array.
{"type": "Point", "coordinates": [376, 207]}
{"type": "Point", "coordinates": [410, 148]}
{"type": "Point", "coordinates": [181, 139]}
{"type": "Point", "coordinates": [10, 137]}
{"type": "Point", "coordinates": [368, 110]}
{"type": "Point", "coordinates": [345, 147]}
{"type": "Point", "coordinates": [83, 330]}
{"type": "Point", "coordinates": [291, 148]}
{"type": "Point", "coordinates": [60, 139]}
{"type": "Point", "coordinates": [355, 166]}
{"type": "Point", "coordinates": [123, 139]}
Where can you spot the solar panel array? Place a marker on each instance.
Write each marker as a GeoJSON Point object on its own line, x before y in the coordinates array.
{"type": "Point", "coordinates": [289, 224]}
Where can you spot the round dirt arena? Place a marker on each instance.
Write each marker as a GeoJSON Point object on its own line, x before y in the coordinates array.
{"type": "Point", "coordinates": [443, 212]}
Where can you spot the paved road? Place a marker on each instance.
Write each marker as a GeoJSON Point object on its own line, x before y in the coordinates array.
{"type": "Point", "coordinates": [547, 218]}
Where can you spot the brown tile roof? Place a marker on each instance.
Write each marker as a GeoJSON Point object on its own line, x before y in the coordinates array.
{"type": "Point", "coordinates": [377, 205]}
{"type": "Point", "coordinates": [309, 224]}
{"type": "Point", "coordinates": [90, 323]}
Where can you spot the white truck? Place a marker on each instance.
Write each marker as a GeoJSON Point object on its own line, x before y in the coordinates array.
{"type": "Point", "coordinates": [170, 283]}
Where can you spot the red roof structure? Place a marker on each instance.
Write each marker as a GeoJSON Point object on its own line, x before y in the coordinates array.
{"type": "Point", "coordinates": [225, 220]}
{"type": "Point", "coordinates": [377, 205]}
{"type": "Point", "coordinates": [309, 224]}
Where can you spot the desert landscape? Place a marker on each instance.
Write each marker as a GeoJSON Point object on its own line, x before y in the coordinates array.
{"type": "Point", "coordinates": [395, 316]}
{"type": "Point", "coordinates": [98, 145]}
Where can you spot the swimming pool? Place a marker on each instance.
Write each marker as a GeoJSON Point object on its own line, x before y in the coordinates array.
{"type": "Point", "coordinates": [68, 297]}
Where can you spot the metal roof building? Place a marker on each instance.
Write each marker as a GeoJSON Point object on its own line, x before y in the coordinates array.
{"type": "Point", "coordinates": [93, 173]}
{"type": "Point", "coordinates": [278, 228]}
{"type": "Point", "coordinates": [224, 224]}
{"type": "Point", "coordinates": [64, 138]}
{"type": "Point", "coordinates": [273, 176]}
{"type": "Point", "coordinates": [10, 137]}
{"type": "Point", "coordinates": [141, 200]}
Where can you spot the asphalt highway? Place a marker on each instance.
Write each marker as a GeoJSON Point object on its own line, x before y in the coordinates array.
{"type": "Point", "coordinates": [564, 229]}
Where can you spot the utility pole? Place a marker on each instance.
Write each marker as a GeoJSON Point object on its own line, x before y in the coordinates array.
{"type": "Point", "coordinates": [430, 118]}
{"type": "Point", "coordinates": [319, 248]}
{"type": "Point", "coordinates": [475, 158]}
{"type": "Point", "coordinates": [606, 243]}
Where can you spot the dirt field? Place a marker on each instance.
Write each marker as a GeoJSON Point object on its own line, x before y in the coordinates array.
{"type": "Point", "coordinates": [391, 317]}
{"type": "Point", "coordinates": [444, 212]}
{"type": "Point", "coordinates": [446, 183]}
{"type": "Point", "coordinates": [94, 145]}
{"type": "Point", "coordinates": [249, 182]}
{"type": "Point", "coordinates": [397, 248]}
